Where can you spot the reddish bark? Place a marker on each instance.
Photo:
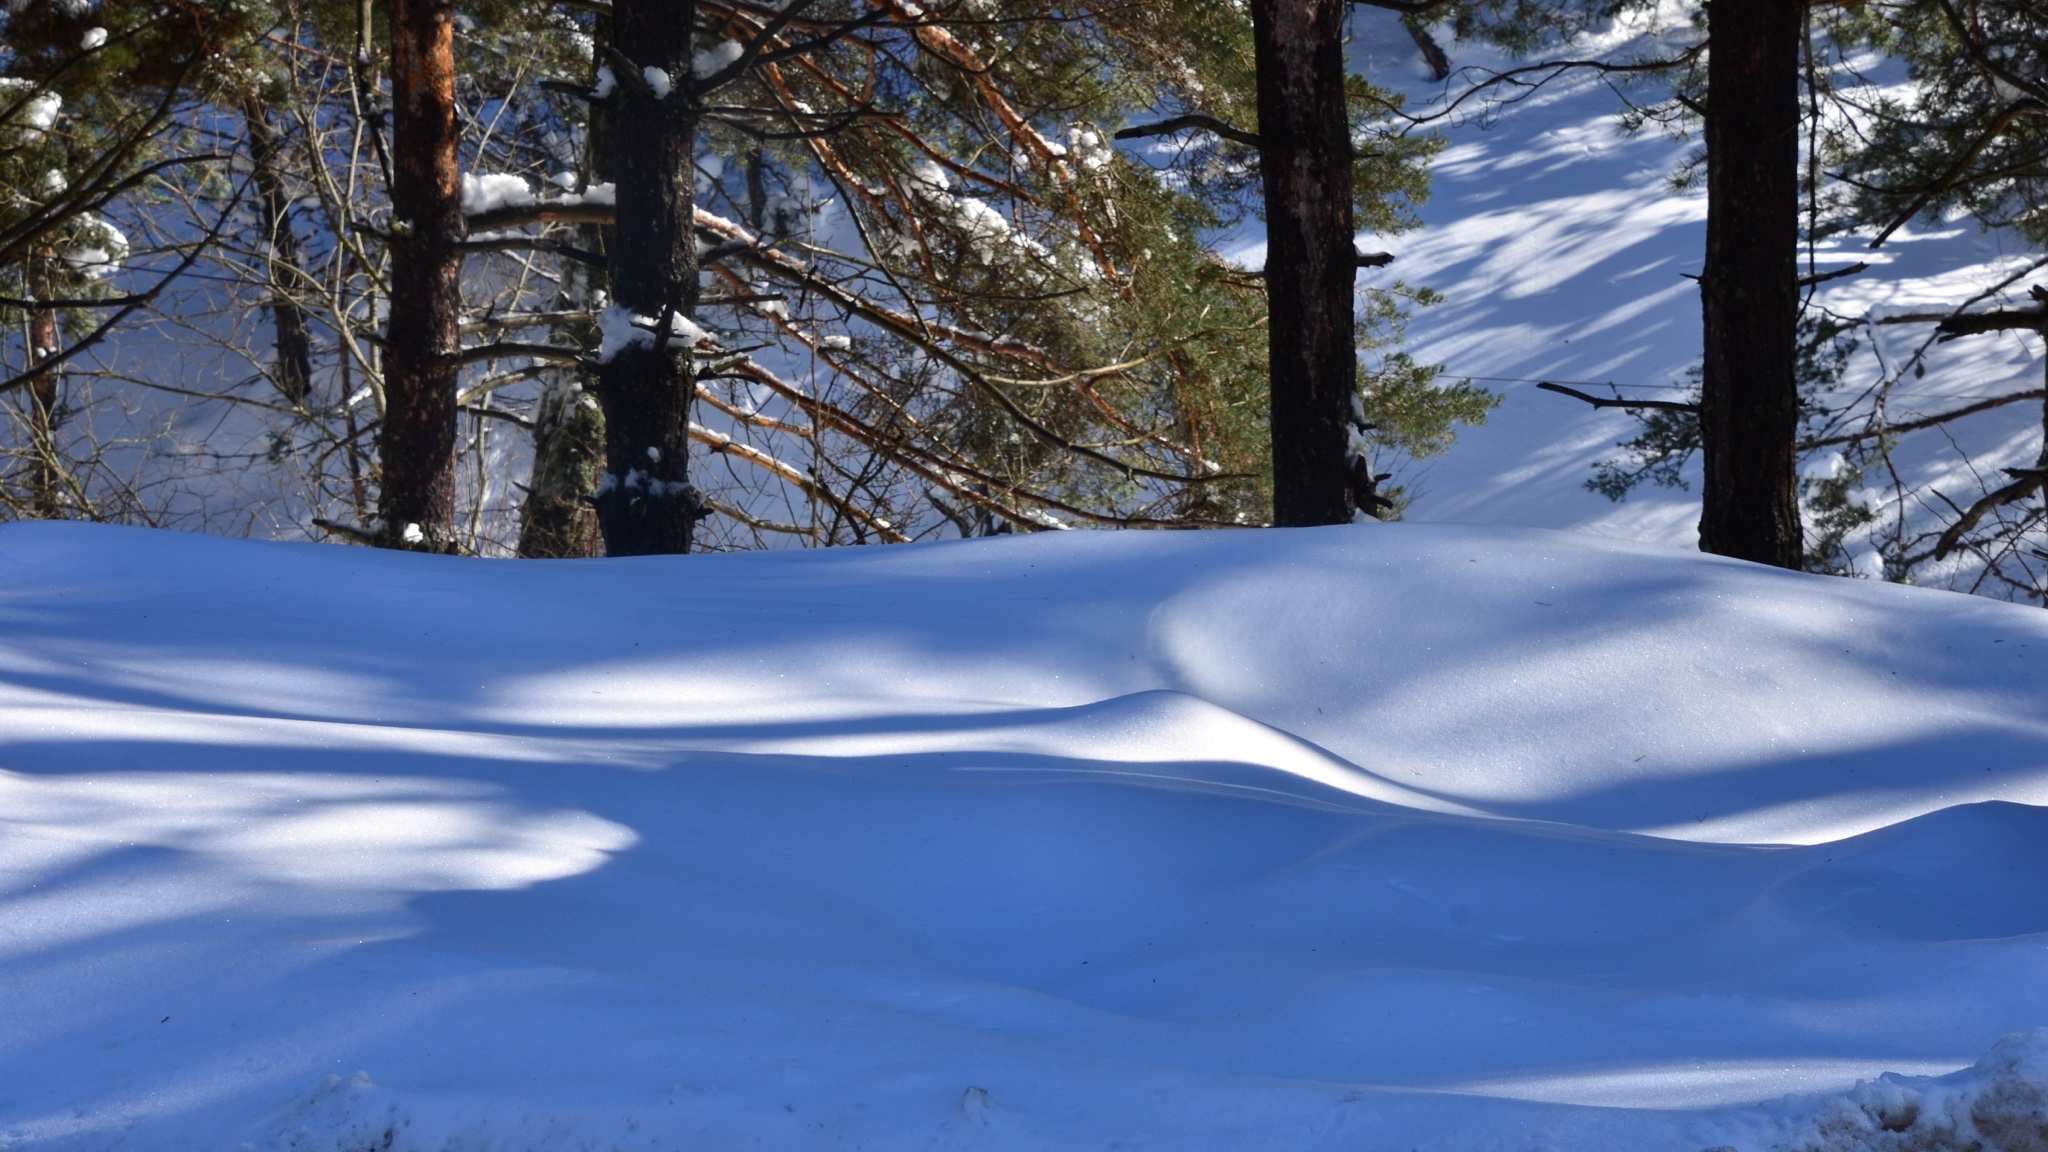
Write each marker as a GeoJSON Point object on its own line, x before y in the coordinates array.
{"type": "Point", "coordinates": [44, 392]}
{"type": "Point", "coordinates": [416, 498]}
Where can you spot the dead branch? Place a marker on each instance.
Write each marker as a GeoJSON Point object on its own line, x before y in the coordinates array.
{"type": "Point", "coordinates": [1194, 120]}
{"type": "Point", "coordinates": [1618, 402]}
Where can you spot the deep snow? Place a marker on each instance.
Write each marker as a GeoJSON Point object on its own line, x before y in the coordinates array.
{"type": "Point", "coordinates": [1393, 836]}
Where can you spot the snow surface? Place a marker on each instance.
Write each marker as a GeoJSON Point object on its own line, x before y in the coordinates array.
{"type": "Point", "coordinates": [1385, 837]}
{"type": "Point", "coordinates": [1560, 253]}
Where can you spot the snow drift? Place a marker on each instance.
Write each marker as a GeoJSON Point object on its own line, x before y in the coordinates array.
{"type": "Point", "coordinates": [1397, 836]}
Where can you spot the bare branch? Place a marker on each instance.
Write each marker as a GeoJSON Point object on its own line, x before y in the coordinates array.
{"type": "Point", "coordinates": [1195, 120]}
{"type": "Point", "coordinates": [1837, 274]}
{"type": "Point", "coordinates": [2029, 482]}
{"type": "Point", "coordinates": [1617, 402]}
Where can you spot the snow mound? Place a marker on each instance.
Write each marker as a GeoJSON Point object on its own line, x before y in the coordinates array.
{"type": "Point", "coordinates": [1391, 836]}
{"type": "Point", "coordinates": [1999, 1104]}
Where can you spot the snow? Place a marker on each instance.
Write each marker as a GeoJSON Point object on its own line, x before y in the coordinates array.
{"type": "Point", "coordinates": [1396, 836]}
{"type": "Point", "coordinates": [716, 58]}
{"type": "Point", "coordinates": [987, 230]}
{"type": "Point", "coordinates": [102, 257]}
{"type": "Point", "coordinates": [37, 114]}
{"type": "Point", "coordinates": [489, 191]}
{"type": "Point", "coordinates": [618, 329]}
{"type": "Point", "coordinates": [1088, 147]}
{"type": "Point", "coordinates": [93, 38]}
{"type": "Point", "coordinates": [1561, 251]}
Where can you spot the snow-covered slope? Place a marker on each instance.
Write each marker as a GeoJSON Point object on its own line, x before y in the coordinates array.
{"type": "Point", "coordinates": [1402, 836]}
{"type": "Point", "coordinates": [1561, 255]}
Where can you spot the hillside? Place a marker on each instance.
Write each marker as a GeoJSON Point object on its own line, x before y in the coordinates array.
{"type": "Point", "coordinates": [1404, 836]}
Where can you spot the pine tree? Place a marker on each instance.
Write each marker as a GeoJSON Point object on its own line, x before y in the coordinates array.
{"type": "Point", "coordinates": [1749, 396]}
{"type": "Point", "coordinates": [1311, 265]}
{"type": "Point", "coordinates": [416, 488]}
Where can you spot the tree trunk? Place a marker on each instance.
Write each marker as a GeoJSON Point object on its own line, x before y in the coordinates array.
{"type": "Point", "coordinates": [645, 504]}
{"type": "Point", "coordinates": [556, 519]}
{"type": "Point", "coordinates": [416, 497]}
{"type": "Point", "coordinates": [293, 371]}
{"type": "Point", "coordinates": [1749, 400]}
{"type": "Point", "coordinates": [45, 392]}
{"type": "Point", "coordinates": [1305, 160]}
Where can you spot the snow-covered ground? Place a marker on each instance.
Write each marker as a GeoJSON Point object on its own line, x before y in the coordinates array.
{"type": "Point", "coordinates": [1561, 256]}
{"type": "Point", "coordinates": [1383, 837]}
{"type": "Point", "coordinates": [1455, 834]}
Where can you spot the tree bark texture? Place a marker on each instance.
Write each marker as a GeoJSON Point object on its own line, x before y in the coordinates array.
{"type": "Point", "coordinates": [1749, 401]}
{"type": "Point", "coordinates": [557, 521]}
{"type": "Point", "coordinates": [416, 498]}
{"type": "Point", "coordinates": [292, 373]}
{"type": "Point", "coordinates": [1305, 162]}
{"type": "Point", "coordinates": [645, 504]}
{"type": "Point", "coordinates": [45, 392]}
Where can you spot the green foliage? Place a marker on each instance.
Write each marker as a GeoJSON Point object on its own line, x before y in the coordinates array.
{"type": "Point", "coordinates": [1966, 135]}
{"type": "Point", "coordinates": [1656, 455]}
{"type": "Point", "coordinates": [1413, 416]}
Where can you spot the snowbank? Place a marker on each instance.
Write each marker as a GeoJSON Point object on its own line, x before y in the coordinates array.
{"type": "Point", "coordinates": [1397, 836]}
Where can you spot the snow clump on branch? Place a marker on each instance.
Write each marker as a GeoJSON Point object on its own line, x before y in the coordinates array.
{"type": "Point", "coordinates": [988, 231]}
{"type": "Point", "coordinates": [102, 250]}
{"type": "Point", "coordinates": [38, 114]}
{"type": "Point", "coordinates": [493, 190]}
{"type": "Point", "coordinates": [712, 60]}
{"type": "Point", "coordinates": [1088, 148]}
{"type": "Point", "coordinates": [619, 329]}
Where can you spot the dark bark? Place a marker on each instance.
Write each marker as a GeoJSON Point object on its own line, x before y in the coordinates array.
{"type": "Point", "coordinates": [292, 373]}
{"type": "Point", "coordinates": [1749, 399]}
{"type": "Point", "coordinates": [1305, 161]}
{"type": "Point", "coordinates": [1432, 52]}
{"type": "Point", "coordinates": [645, 504]}
{"type": "Point", "coordinates": [416, 498]}
{"type": "Point", "coordinates": [757, 187]}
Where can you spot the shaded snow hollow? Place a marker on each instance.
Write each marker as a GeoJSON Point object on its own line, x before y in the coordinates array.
{"type": "Point", "coordinates": [1391, 837]}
